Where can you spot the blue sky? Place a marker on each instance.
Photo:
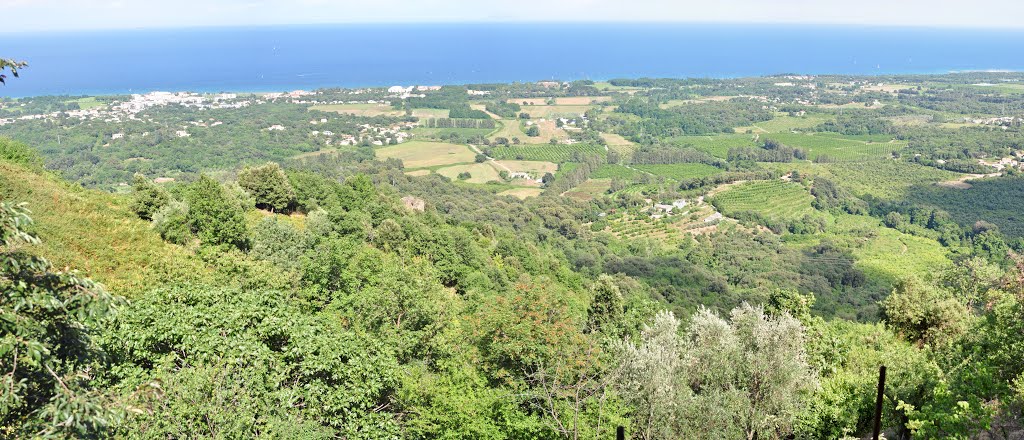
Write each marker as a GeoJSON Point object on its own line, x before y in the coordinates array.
{"type": "Point", "coordinates": [44, 15]}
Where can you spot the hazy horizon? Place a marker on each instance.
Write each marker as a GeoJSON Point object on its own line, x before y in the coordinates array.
{"type": "Point", "coordinates": [67, 15]}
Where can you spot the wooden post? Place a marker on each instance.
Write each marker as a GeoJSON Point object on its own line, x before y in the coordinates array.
{"type": "Point", "coordinates": [620, 433]}
{"type": "Point", "coordinates": [878, 403]}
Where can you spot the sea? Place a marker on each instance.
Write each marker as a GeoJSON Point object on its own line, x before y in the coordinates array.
{"type": "Point", "coordinates": [284, 58]}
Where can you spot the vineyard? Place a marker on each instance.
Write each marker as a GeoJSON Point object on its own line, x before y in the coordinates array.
{"type": "Point", "coordinates": [836, 147]}
{"type": "Point", "coordinates": [775, 199]}
{"type": "Point", "coordinates": [679, 171]}
{"type": "Point", "coordinates": [717, 146]}
{"type": "Point", "coordinates": [547, 153]}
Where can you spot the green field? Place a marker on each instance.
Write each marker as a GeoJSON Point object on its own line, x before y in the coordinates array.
{"type": "Point", "coordinates": [885, 178]}
{"type": "Point", "coordinates": [837, 147]}
{"type": "Point", "coordinates": [717, 146]}
{"type": "Point", "coordinates": [680, 171]}
{"type": "Point", "coordinates": [589, 189]}
{"type": "Point", "coordinates": [775, 199]}
{"type": "Point", "coordinates": [419, 154]}
{"type": "Point", "coordinates": [614, 171]}
{"type": "Point", "coordinates": [547, 153]}
{"type": "Point", "coordinates": [87, 103]}
{"type": "Point", "coordinates": [783, 123]}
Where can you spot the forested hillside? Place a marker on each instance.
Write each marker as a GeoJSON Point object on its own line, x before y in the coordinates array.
{"type": "Point", "coordinates": [682, 258]}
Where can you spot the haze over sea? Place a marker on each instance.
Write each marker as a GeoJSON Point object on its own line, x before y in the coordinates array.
{"type": "Point", "coordinates": [307, 57]}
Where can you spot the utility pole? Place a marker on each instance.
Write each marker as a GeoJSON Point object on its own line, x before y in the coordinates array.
{"type": "Point", "coordinates": [878, 403]}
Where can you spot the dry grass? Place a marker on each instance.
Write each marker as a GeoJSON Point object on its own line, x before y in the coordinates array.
{"type": "Point", "coordinates": [479, 172]}
{"type": "Point", "coordinates": [522, 193]}
{"type": "Point", "coordinates": [417, 173]}
{"type": "Point", "coordinates": [530, 166]}
{"type": "Point", "coordinates": [360, 109]}
{"type": "Point", "coordinates": [420, 154]}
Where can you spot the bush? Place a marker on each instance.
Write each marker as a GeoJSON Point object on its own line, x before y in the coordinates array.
{"type": "Point", "coordinates": [171, 222]}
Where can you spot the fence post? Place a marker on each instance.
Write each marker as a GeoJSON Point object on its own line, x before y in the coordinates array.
{"type": "Point", "coordinates": [878, 402]}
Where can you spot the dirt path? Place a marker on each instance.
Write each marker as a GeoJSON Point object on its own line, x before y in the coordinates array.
{"type": "Point", "coordinates": [490, 159]}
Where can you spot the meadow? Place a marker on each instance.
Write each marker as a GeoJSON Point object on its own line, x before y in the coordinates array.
{"type": "Point", "coordinates": [420, 154]}
{"type": "Point", "coordinates": [479, 172]}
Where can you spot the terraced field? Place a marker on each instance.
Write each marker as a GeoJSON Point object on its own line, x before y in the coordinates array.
{"type": "Point", "coordinates": [547, 153]}
{"type": "Point", "coordinates": [774, 199]}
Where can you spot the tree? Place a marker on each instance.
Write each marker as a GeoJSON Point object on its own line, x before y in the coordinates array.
{"type": "Point", "coordinates": [47, 354]}
{"type": "Point", "coordinates": [533, 131]}
{"type": "Point", "coordinates": [465, 175]}
{"type": "Point", "coordinates": [606, 307]}
{"type": "Point", "coordinates": [213, 215]}
{"type": "Point", "coordinates": [924, 313]}
{"type": "Point", "coordinates": [547, 179]}
{"type": "Point", "coordinates": [269, 185]}
{"type": "Point", "coordinates": [480, 158]}
{"type": "Point", "coordinates": [147, 198]}
{"type": "Point", "coordinates": [742, 378]}
{"type": "Point", "coordinates": [12, 65]}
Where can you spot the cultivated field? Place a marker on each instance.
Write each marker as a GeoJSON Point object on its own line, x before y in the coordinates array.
{"type": "Point", "coordinates": [546, 153]}
{"type": "Point", "coordinates": [537, 168]}
{"type": "Point", "coordinates": [680, 171]}
{"type": "Point", "coordinates": [589, 189]}
{"type": "Point", "coordinates": [522, 193]}
{"type": "Point", "coordinates": [480, 172]}
{"type": "Point", "coordinates": [717, 146]}
{"type": "Point", "coordinates": [419, 154]}
{"type": "Point", "coordinates": [773, 199]}
{"type": "Point", "coordinates": [360, 109]}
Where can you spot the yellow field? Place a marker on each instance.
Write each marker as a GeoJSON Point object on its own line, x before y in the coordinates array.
{"type": "Point", "coordinates": [480, 172]}
{"type": "Point", "coordinates": [426, 113]}
{"type": "Point", "coordinates": [417, 173]}
{"type": "Point", "coordinates": [553, 111]}
{"type": "Point", "coordinates": [589, 189]}
{"type": "Point", "coordinates": [360, 109]}
{"type": "Point", "coordinates": [420, 154]}
{"type": "Point", "coordinates": [522, 193]}
{"type": "Point", "coordinates": [581, 100]}
{"type": "Point", "coordinates": [530, 166]}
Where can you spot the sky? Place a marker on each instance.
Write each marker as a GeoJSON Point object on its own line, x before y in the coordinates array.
{"type": "Point", "coordinates": [66, 15]}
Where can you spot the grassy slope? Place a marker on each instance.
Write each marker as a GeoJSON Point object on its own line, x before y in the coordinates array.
{"type": "Point", "coordinates": [96, 233]}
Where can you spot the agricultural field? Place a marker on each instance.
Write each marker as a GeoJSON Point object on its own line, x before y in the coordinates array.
{"type": "Point", "coordinates": [838, 148]}
{"type": "Point", "coordinates": [783, 123]}
{"type": "Point", "coordinates": [679, 171]}
{"type": "Point", "coordinates": [546, 153]}
{"type": "Point", "coordinates": [417, 173]}
{"type": "Point", "coordinates": [717, 146]}
{"type": "Point", "coordinates": [775, 199]}
{"type": "Point", "coordinates": [87, 103]}
{"type": "Point", "coordinates": [360, 109]}
{"type": "Point", "coordinates": [443, 133]}
{"type": "Point", "coordinates": [512, 128]}
{"type": "Point", "coordinates": [885, 253]}
{"type": "Point", "coordinates": [522, 193]}
{"type": "Point", "coordinates": [590, 189]}
{"type": "Point", "coordinates": [610, 171]}
{"type": "Point", "coordinates": [555, 111]}
{"type": "Point", "coordinates": [420, 154]}
{"type": "Point", "coordinates": [537, 168]}
{"type": "Point", "coordinates": [885, 178]}
{"type": "Point", "coordinates": [479, 172]}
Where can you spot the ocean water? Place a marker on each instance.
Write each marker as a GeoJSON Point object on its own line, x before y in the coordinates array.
{"type": "Point", "coordinates": [306, 57]}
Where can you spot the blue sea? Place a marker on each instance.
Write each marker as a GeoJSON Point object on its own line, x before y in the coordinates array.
{"type": "Point", "coordinates": [307, 57]}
